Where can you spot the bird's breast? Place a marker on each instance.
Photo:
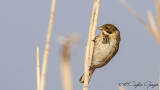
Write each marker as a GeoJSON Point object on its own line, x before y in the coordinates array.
{"type": "Point", "coordinates": [103, 52]}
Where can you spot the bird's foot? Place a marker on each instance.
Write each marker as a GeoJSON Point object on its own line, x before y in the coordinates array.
{"type": "Point", "coordinates": [90, 68]}
{"type": "Point", "coordinates": [93, 40]}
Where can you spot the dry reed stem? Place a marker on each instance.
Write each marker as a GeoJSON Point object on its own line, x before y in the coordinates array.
{"type": "Point", "coordinates": [86, 66]}
{"type": "Point", "coordinates": [65, 68]}
{"type": "Point", "coordinates": [157, 8]}
{"type": "Point", "coordinates": [38, 69]}
{"type": "Point", "coordinates": [121, 88]}
{"type": "Point", "coordinates": [91, 21]}
{"type": "Point", "coordinates": [94, 30]}
{"type": "Point", "coordinates": [47, 47]}
{"type": "Point", "coordinates": [66, 73]}
{"type": "Point", "coordinates": [153, 26]}
{"type": "Point", "coordinates": [133, 12]}
{"type": "Point", "coordinates": [90, 43]}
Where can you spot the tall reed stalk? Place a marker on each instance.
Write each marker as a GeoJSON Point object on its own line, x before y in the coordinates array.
{"type": "Point", "coordinates": [38, 69]}
{"type": "Point", "coordinates": [47, 47]}
{"type": "Point", "coordinates": [90, 42]}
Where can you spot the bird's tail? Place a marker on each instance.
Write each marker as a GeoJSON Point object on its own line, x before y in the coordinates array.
{"type": "Point", "coordinates": [81, 80]}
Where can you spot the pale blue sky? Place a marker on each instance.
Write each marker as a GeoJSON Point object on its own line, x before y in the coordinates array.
{"type": "Point", "coordinates": [24, 26]}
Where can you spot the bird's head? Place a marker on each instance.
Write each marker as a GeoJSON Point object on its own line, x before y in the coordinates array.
{"type": "Point", "coordinates": [109, 30]}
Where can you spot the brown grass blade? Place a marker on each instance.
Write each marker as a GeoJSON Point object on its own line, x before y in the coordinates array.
{"type": "Point", "coordinates": [47, 47]}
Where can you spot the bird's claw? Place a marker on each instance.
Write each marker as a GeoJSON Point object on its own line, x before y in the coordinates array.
{"type": "Point", "coordinates": [93, 40]}
{"type": "Point", "coordinates": [90, 68]}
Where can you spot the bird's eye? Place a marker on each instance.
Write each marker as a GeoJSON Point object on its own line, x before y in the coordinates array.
{"type": "Point", "coordinates": [106, 27]}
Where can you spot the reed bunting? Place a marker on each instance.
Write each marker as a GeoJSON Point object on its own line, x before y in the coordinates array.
{"type": "Point", "coordinates": [106, 47]}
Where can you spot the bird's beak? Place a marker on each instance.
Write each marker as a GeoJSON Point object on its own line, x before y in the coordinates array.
{"type": "Point", "coordinates": [100, 28]}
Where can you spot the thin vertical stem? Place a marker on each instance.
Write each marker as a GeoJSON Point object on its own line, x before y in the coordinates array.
{"type": "Point", "coordinates": [47, 47]}
{"type": "Point", "coordinates": [86, 62]}
{"type": "Point", "coordinates": [38, 69]}
{"type": "Point", "coordinates": [66, 73]}
{"type": "Point", "coordinates": [90, 43]}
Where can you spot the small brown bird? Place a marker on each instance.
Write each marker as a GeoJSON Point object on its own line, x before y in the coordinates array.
{"type": "Point", "coordinates": [106, 46]}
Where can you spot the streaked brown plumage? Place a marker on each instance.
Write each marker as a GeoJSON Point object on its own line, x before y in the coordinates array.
{"type": "Point", "coordinates": [106, 46]}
